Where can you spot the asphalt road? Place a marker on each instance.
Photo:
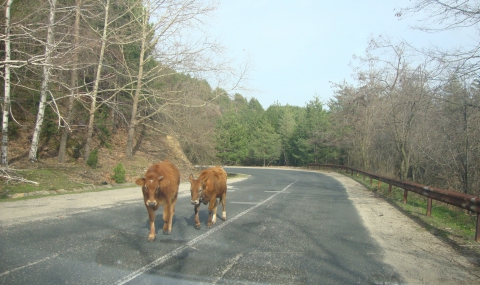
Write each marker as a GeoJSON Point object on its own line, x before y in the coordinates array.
{"type": "Point", "coordinates": [283, 227]}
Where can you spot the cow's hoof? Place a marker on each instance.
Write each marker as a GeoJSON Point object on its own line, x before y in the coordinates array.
{"type": "Point", "coordinates": [167, 232]}
{"type": "Point", "coordinates": [151, 238]}
{"type": "Point", "coordinates": [198, 227]}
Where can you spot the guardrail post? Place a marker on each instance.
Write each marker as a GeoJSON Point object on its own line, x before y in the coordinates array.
{"type": "Point", "coordinates": [477, 231]}
{"type": "Point", "coordinates": [390, 189]}
{"type": "Point", "coordinates": [351, 173]}
{"type": "Point", "coordinates": [370, 181]}
{"type": "Point", "coordinates": [405, 195]}
{"type": "Point", "coordinates": [379, 184]}
{"type": "Point", "coordinates": [429, 207]}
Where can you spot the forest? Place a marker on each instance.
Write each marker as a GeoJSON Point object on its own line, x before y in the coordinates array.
{"type": "Point", "coordinates": [76, 72]}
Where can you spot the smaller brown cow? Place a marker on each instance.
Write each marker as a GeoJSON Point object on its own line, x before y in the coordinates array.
{"type": "Point", "coordinates": [160, 187]}
{"type": "Point", "coordinates": [210, 185]}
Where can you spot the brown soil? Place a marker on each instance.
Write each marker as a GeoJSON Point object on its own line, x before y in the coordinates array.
{"type": "Point", "coordinates": [150, 149]}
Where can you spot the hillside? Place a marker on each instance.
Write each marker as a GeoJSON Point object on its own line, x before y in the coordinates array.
{"type": "Point", "coordinates": [150, 149]}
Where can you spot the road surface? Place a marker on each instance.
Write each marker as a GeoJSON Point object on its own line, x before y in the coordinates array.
{"type": "Point", "coordinates": [283, 227]}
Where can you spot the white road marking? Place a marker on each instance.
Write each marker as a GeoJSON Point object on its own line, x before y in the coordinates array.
{"type": "Point", "coordinates": [178, 250]}
{"type": "Point", "coordinates": [27, 265]}
{"type": "Point", "coordinates": [248, 203]}
{"type": "Point", "coordinates": [274, 191]}
{"type": "Point", "coordinates": [230, 265]}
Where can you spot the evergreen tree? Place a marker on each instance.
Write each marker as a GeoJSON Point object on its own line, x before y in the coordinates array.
{"type": "Point", "coordinates": [232, 142]}
{"type": "Point", "coordinates": [266, 144]}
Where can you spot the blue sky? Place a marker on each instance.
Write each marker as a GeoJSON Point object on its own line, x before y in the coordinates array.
{"type": "Point", "coordinates": [298, 47]}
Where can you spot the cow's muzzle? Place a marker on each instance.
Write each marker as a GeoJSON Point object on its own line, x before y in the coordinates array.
{"type": "Point", "coordinates": [195, 202]}
{"type": "Point", "coordinates": [151, 203]}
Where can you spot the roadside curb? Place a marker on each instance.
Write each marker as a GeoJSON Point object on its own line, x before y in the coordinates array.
{"type": "Point", "coordinates": [91, 188]}
{"type": "Point", "coordinates": [75, 190]}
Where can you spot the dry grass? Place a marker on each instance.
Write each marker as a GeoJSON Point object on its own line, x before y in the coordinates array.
{"type": "Point", "coordinates": [51, 175]}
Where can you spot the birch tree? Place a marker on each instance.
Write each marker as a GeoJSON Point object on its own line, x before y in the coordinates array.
{"type": "Point", "coordinates": [6, 75]}
{"type": "Point", "coordinates": [47, 66]}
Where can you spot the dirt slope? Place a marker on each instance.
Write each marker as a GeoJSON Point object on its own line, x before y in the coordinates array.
{"type": "Point", "coordinates": [150, 148]}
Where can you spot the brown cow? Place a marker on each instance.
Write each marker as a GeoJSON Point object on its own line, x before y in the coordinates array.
{"type": "Point", "coordinates": [160, 187]}
{"type": "Point", "coordinates": [210, 185]}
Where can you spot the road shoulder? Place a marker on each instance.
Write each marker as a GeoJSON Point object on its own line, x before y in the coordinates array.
{"type": "Point", "coordinates": [407, 246]}
{"type": "Point", "coordinates": [61, 206]}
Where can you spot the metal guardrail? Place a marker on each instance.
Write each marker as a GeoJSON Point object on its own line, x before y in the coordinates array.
{"type": "Point", "coordinates": [464, 201]}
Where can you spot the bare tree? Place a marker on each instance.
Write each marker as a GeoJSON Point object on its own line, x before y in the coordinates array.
{"type": "Point", "coordinates": [49, 47]}
{"type": "Point", "coordinates": [451, 143]}
{"type": "Point", "coordinates": [449, 15]}
{"type": "Point", "coordinates": [6, 75]}
{"type": "Point", "coordinates": [73, 85]}
{"type": "Point", "coordinates": [98, 77]}
{"type": "Point", "coordinates": [380, 118]}
{"type": "Point", "coordinates": [162, 24]}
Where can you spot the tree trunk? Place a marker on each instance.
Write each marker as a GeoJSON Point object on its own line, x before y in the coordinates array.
{"type": "Point", "coordinates": [138, 89]}
{"type": "Point", "coordinates": [93, 107]}
{"type": "Point", "coordinates": [32, 155]}
{"type": "Point", "coordinates": [73, 86]}
{"type": "Point", "coordinates": [6, 103]}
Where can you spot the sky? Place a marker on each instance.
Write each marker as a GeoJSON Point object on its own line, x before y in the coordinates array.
{"type": "Point", "coordinates": [296, 48]}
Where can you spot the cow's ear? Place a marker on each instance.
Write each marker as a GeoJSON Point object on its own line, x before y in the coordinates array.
{"type": "Point", "coordinates": [140, 181]}
{"type": "Point", "coordinates": [191, 178]}
{"type": "Point", "coordinates": [204, 181]}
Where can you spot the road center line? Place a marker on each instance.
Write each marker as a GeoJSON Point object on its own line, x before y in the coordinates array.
{"type": "Point", "coordinates": [28, 264]}
{"type": "Point", "coordinates": [229, 266]}
{"type": "Point", "coordinates": [178, 250]}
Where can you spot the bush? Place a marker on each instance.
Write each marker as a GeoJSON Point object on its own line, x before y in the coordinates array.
{"type": "Point", "coordinates": [92, 160]}
{"type": "Point", "coordinates": [119, 173]}
{"type": "Point", "coordinates": [77, 152]}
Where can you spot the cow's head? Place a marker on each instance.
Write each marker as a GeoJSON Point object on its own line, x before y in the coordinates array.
{"type": "Point", "coordinates": [150, 189]}
{"type": "Point", "coordinates": [196, 189]}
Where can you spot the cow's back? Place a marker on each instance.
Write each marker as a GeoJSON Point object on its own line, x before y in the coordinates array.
{"type": "Point", "coordinates": [217, 180]}
{"type": "Point", "coordinates": [170, 174]}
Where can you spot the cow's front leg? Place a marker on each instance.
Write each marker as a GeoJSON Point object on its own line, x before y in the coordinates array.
{"type": "Point", "coordinates": [167, 219]}
{"type": "Point", "coordinates": [212, 212]}
{"type": "Point", "coordinates": [196, 208]}
{"type": "Point", "coordinates": [171, 211]}
{"type": "Point", "coordinates": [151, 217]}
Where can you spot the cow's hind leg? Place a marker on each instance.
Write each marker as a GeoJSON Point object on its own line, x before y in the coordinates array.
{"type": "Point", "coordinates": [212, 212]}
{"type": "Point", "coordinates": [224, 211]}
